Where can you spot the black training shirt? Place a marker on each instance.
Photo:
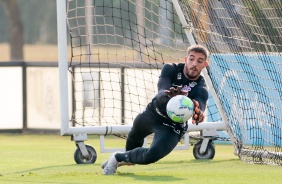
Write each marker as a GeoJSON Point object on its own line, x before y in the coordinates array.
{"type": "Point", "coordinates": [172, 76]}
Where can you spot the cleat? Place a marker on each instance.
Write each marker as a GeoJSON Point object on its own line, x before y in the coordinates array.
{"type": "Point", "coordinates": [111, 165]}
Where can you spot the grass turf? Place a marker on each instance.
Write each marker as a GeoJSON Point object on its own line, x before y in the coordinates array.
{"type": "Point", "coordinates": [49, 159]}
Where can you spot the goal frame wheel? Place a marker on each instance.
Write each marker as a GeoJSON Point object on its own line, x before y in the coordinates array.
{"type": "Point", "coordinates": [81, 159]}
{"type": "Point", "coordinates": [208, 154]}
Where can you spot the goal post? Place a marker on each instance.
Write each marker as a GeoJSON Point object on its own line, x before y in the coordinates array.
{"type": "Point", "coordinates": [111, 54]}
{"type": "Point", "coordinates": [63, 64]}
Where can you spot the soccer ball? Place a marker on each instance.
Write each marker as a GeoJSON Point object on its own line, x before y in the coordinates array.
{"type": "Point", "coordinates": [180, 108]}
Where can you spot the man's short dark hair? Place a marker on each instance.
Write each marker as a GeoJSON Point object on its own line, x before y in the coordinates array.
{"type": "Point", "coordinates": [199, 49]}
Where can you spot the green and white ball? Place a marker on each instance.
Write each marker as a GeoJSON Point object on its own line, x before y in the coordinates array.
{"type": "Point", "coordinates": [180, 108]}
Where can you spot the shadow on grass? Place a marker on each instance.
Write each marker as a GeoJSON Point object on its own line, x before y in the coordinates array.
{"type": "Point", "coordinates": [184, 163]}
{"type": "Point", "coordinates": [28, 181]}
{"type": "Point", "coordinates": [143, 177]}
{"type": "Point", "coordinates": [42, 168]}
{"type": "Point", "coordinates": [198, 161]}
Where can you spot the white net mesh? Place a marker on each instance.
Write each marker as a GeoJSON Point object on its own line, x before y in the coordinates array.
{"type": "Point", "coordinates": [118, 48]}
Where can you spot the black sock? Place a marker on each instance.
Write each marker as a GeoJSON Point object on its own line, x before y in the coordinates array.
{"type": "Point", "coordinates": [122, 157]}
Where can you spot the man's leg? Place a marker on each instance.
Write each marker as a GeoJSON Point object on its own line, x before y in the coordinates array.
{"type": "Point", "coordinates": [142, 126]}
{"type": "Point", "coordinates": [165, 140]}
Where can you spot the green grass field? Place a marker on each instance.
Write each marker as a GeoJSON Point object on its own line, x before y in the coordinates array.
{"type": "Point", "coordinates": [49, 159]}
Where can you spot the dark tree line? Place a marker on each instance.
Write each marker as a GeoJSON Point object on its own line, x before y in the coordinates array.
{"type": "Point", "coordinates": [15, 29]}
{"type": "Point", "coordinates": [27, 22]}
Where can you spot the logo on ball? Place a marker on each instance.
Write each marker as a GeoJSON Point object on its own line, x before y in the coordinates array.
{"type": "Point", "coordinates": [180, 108]}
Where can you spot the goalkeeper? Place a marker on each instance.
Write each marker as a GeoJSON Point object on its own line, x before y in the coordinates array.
{"type": "Point", "coordinates": [175, 79]}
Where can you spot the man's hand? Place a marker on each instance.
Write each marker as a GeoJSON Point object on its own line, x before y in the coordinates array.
{"type": "Point", "coordinates": [198, 115]}
{"type": "Point", "coordinates": [173, 92]}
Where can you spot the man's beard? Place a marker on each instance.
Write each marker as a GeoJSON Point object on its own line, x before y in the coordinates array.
{"type": "Point", "coordinates": [191, 76]}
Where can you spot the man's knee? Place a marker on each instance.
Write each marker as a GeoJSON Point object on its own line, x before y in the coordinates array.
{"type": "Point", "coordinates": [150, 160]}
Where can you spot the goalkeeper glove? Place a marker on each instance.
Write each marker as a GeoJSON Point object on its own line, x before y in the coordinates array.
{"type": "Point", "coordinates": [198, 115]}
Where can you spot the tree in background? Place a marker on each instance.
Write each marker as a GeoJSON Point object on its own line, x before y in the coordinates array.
{"type": "Point", "coordinates": [15, 30]}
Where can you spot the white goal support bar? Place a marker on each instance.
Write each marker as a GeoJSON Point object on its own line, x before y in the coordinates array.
{"type": "Point", "coordinates": [124, 129]}
{"type": "Point", "coordinates": [207, 126]}
{"type": "Point", "coordinates": [63, 64]}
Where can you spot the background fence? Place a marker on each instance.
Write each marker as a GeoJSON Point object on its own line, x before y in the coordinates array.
{"type": "Point", "coordinates": [29, 96]}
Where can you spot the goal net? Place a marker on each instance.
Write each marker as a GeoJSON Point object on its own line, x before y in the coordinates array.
{"type": "Point", "coordinates": [119, 47]}
{"type": "Point", "coordinates": [244, 37]}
